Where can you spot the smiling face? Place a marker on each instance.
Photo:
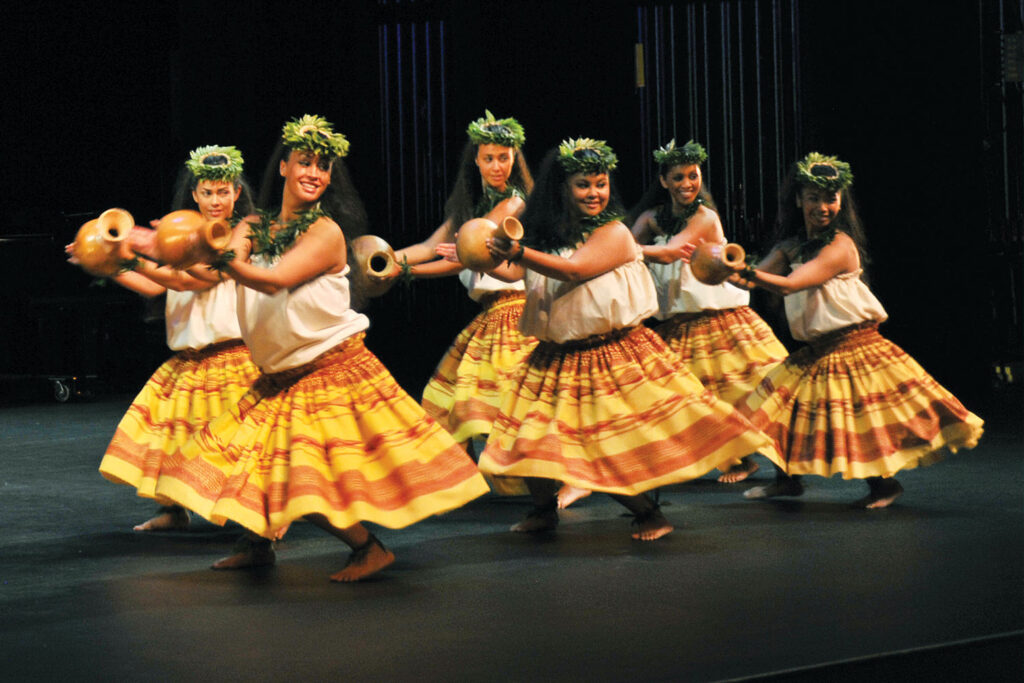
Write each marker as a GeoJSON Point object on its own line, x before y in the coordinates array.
{"type": "Point", "coordinates": [589, 192]}
{"type": "Point", "coordinates": [683, 183]}
{"type": "Point", "coordinates": [819, 207]}
{"type": "Point", "coordinates": [495, 164]}
{"type": "Point", "coordinates": [216, 198]}
{"type": "Point", "coordinates": [306, 176]}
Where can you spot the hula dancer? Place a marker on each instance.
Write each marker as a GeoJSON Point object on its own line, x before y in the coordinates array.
{"type": "Point", "coordinates": [712, 327]}
{"type": "Point", "coordinates": [211, 368]}
{"type": "Point", "coordinates": [602, 403]}
{"type": "Point", "coordinates": [325, 433]}
{"type": "Point", "coordinates": [466, 388]}
{"type": "Point", "coordinates": [851, 402]}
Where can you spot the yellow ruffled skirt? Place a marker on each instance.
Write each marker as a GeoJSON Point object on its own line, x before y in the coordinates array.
{"type": "Point", "coordinates": [615, 413]}
{"type": "Point", "coordinates": [467, 387]}
{"type": "Point", "coordinates": [337, 437]}
{"type": "Point", "coordinates": [730, 351]}
{"type": "Point", "coordinates": [855, 404]}
{"type": "Point", "coordinates": [183, 396]}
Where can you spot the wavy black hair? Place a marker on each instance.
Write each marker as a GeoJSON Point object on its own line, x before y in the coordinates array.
{"type": "Point", "coordinates": [468, 188]}
{"type": "Point", "coordinates": [549, 221]}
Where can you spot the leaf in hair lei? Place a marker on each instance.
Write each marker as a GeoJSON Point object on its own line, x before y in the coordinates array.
{"type": "Point", "coordinates": [492, 197]}
{"type": "Point", "coordinates": [817, 243]}
{"type": "Point", "coordinates": [273, 244]}
{"type": "Point", "coordinates": [673, 223]}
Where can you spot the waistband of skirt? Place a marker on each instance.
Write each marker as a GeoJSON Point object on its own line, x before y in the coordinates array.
{"type": "Point", "coordinates": [593, 340]}
{"type": "Point", "coordinates": [211, 349]}
{"type": "Point", "coordinates": [502, 296]}
{"type": "Point", "coordinates": [845, 335]}
{"type": "Point", "coordinates": [350, 346]}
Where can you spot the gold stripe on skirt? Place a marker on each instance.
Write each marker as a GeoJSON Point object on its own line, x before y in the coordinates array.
{"type": "Point", "coordinates": [855, 404]}
{"type": "Point", "coordinates": [337, 437]}
{"type": "Point", "coordinates": [466, 389]}
{"type": "Point", "coordinates": [184, 394]}
{"type": "Point", "coordinates": [616, 413]}
{"type": "Point", "coordinates": [730, 350]}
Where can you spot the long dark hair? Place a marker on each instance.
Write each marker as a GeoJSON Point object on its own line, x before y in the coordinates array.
{"type": "Point", "coordinates": [468, 188]}
{"type": "Point", "coordinates": [549, 222]}
{"type": "Point", "coordinates": [186, 184]}
{"type": "Point", "coordinates": [789, 224]}
{"type": "Point", "coordinates": [340, 200]}
{"type": "Point", "coordinates": [657, 196]}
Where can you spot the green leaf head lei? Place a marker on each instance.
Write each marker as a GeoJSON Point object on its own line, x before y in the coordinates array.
{"type": "Point", "coordinates": [491, 131]}
{"type": "Point", "coordinates": [215, 163]}
{"type": "Point", "coordinates": [828, 173]}
{"type": "Point", "coordinates": [586, 155]}
{"type": "Point", "coordinates": [690, 153]}
{"type": "Point", "coordinates": [314, 134]}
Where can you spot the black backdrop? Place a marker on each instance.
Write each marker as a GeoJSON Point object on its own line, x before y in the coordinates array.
{"type": "Point", "coordinates": [103, 100]}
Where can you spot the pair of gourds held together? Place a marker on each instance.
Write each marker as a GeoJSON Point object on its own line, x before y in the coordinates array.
{"type": "Point", "coordinates": [185, 238]}
{"type": "Point", "coordinates": [182, 239]}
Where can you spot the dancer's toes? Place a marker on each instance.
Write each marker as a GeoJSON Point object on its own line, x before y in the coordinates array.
{"type": "Point", "coordinates": [652, 527]}
{"type": "Point", "coordinates": [368, 559]}
{"type": "Point", "coordinates": [882, 495]}
{"type": "Point", "coordinates": [248, 553]}
{"type": "Point", "coordinates": [170, 519]}
{"type": "Point", "coordinates": [739, 472]}
{"type": "Point", "coordinates": [567, 495]}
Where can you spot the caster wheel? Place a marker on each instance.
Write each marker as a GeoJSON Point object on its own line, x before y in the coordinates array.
{"type": "Point", "coordinates": [61, 390]}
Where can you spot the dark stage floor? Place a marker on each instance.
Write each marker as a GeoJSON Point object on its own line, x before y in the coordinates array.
{"type": "Point", "coordinates": [800, 590]}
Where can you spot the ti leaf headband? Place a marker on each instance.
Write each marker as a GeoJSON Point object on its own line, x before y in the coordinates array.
{"type": "Point", "coordinates": [585, 155]}
{"type": "Point", "coordinates": [215, 163]}
{"type": "Point", "coordinates": [492, 131]}
{"type": "Point", "coordinates": [314, 134]}
{"type": "Point", "coordinates": [828, 173]}
{"type": "Point", "coordinates": [690, 153]}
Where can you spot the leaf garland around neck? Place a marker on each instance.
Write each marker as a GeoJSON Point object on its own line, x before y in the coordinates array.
{"type": "Point", "coordinates": [578, 231]}
{"type": "Point", "coordinates": [273, 244]}
{"type": "Point", "coordinates": [492, 197]}
{"type": "Point", "coordinates": [673, 223]}
{"type": "Point", "coordinates": [815, 244]}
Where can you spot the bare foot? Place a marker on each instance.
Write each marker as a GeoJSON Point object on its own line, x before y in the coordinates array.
{"type": "Point", "coordinates": [881, 496]}
{"type": "Point", "coordinates": [653, 527]}
{"type": "Point", "coordinates": [739, 472]}
{"type": "Point", "coordinates": [367, 560]}
{"type": "Point", "coordinates": [172, 518]}
{"type": "Point", "coordinates": [780, 487]}
{"type": "Point", "coordinates": [540, 519]}
{"type": "Point", "coordinates": [567, 495]}
{"type": "Point", "coordinates": [248, 554]}
{"type": "Point", "coordinates": [279, 534]}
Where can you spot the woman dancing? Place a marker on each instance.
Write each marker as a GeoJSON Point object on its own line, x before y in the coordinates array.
{"type": "Point", "coordinates": [325, 433]}
{"type": "Point", "coordinates": [712, 327]}
{"type": "Point", "coordinates": [211, 368]}
{"type": "Point", "coordinates": [602, 403]}
{"type": "Point", "coordinates": [465, 390]}
{"type": "Point", "coordinates": [850, 402]}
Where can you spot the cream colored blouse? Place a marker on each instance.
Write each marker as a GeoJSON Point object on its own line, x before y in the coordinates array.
{"type": "Point", "coordinates": [197, 319]}
{"type": "Point", "coordinates": [559, 312]}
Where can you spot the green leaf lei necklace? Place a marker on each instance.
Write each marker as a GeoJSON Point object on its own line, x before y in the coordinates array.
{"type": "Point", "coordinates": [492, 197]}
{"type": "Point", "coordinates": [672, 223]}
{"type": "Point", "coordinates": [273, 244]}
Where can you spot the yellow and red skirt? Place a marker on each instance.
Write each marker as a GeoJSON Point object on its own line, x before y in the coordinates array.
{"type": "Point", "coordinates": [853, 403]}
{"type": "Point", "coordinates": [469, 383]}
{"type": "Point", "coordinates": [615, 413]}
{"type": "Point", "coordinates": [185, 393]}
{"type": "Point", "coordinates": [730, 350]}
{"type": "Point", "coordinates": [337, 437]}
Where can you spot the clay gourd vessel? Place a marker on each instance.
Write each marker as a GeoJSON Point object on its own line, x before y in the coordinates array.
{"type": "Point", "coordinates": [471, 243]}
{"type": "Point", "coordinates": [185, 238]}
{"type": "Point", "coordinates": [713, 263]}
{"type": "Point", "coordinates": [374, 266]}
{"type": "Point", "coordinates": [98, 241]}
